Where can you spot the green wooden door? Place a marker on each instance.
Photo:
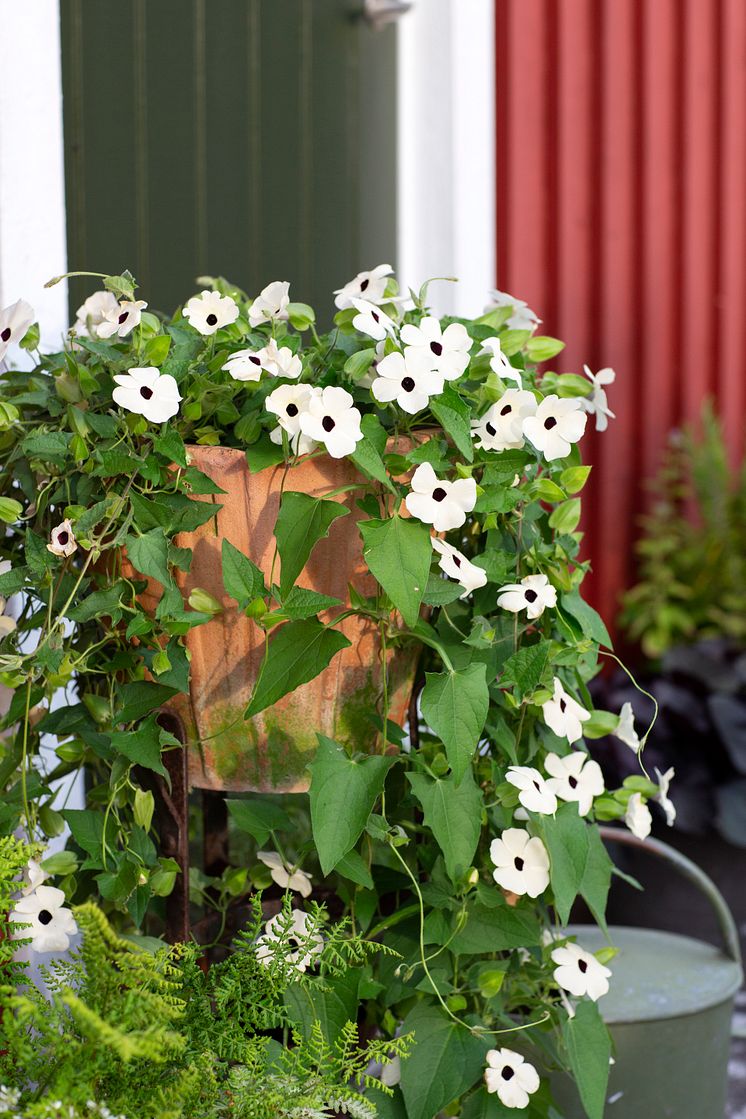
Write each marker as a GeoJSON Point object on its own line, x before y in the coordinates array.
{"type": "Point", "coordinates": [250, 138]}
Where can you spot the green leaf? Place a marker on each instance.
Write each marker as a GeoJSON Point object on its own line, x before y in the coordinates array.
{"type": "Point", "coordinates": [141, 746]}
{"type": "Point", "coordinates": [10, 510]}
{"type": "Point", "coordinates": [439, 591]}
{"type": "Point", "coordinates": [87, 828]}
{"type": "Point", "coordinates": [301, 522]}
{"type": "Point", "coordinates": [262, 454]}
{"type": "Point", "coordinates": [138, 698]}
{"type": "Point", "coordinates": [455, 705]}
{"type": "Point", "coordinates": [543, 347]}
{"type": "Point", "coordinates": [486, 1105]}
{"type": "Point", "coordinates": [525, 669]}
{"type": "Point", "coordinates": [447, 1059]}
{"type": "Point", "coordinates": [600, 724]}
{"type": "Point", "coordinates": [368, 452]}
{"type": "Point", "coordinates": [566, 516]}
{"type": "Point", "coordinates": [169, 443]}
{"type": "Point", "coordinates": [496, 929]}
{"type": "Point", "coordinates": [258, 818]}
{"type": "Point", "coordinates": [242, 579]}
{"type": "Point", "coordinates": [353, 866]}
{"type": "Point", "coordinates": [100, 604]}
{"type": "Point", "coordinates": [597, 876]}
{"type": "Point", "coordinates": [148, 554]}
{"type": "Point", "coordinates": [46, 444]}
{"type": "Point", "coordinates": [513, 341]}
{"type": "Point", "coordinates": [301, 603]}
{"type": "Point", "coordinates": [331, 1005]}
{"type": "Point", "coordinates": [156, 351]}
{"type": "Point", "coordinates": [589, 1049]}
{"type": "Point", "coordinates": [342, 794]}
{"type": "Point", "coordinates": [590, 621]}
{"type": "Point", "coordinates": [454, 417]}
{"type": "Point", "coordinates": [398, 553]}
{"type": "Point", "coordinates": [298, 651]}
{"type": "Point", "coordinates": [566, 838]}
{"type": "Point", "coordinates": [573, 478]}
{"type": "Point", "coordinates": [453, 812]}
{"type": "Point", "coordinates": [359, 363]}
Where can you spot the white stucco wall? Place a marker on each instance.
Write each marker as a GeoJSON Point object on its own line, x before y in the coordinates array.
{"type": "Point", "coordinates": [446, 150]}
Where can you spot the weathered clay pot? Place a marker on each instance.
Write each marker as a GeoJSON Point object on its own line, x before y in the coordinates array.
{"type": "Point", "coordinates": [270, 752]}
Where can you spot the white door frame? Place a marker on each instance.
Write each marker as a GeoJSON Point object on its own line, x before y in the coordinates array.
{"type": "Point", "coordinates": [446, 150]}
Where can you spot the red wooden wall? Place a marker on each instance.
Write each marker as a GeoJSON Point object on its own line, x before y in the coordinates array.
{"type": "Point", "coordinates": [621, 218]}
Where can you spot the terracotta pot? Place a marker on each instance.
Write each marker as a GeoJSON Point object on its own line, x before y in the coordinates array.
{"type": "Point", "coordinates": [270, 752]}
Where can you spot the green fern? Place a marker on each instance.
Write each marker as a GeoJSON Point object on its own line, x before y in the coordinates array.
{"type": "Point", "coordinates": [693, 539]}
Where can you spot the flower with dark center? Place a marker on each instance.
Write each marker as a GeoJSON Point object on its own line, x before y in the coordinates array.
{"type": "Point", "coordinates": [579, 972]}
{"type": "Point", "coordinates": [210, 311]}
{"type": "Point", "coordinates": [370, 284]}
{"type": "Point", "coordinates": [147, 392]}
{"type": "Point", "coordinates": [121, 319]}
{"type": "Point", "coordinates": [456, 566]}
{"type": "Point", "coordinates": [557, 424]}
{"type": "Point", "coordinates": [534, 594]}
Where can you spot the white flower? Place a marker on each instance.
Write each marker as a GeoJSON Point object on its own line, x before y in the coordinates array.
{"type": "Point", "coordinates": [637, 817]}
{"type": "Point", "coordinates": [442, 504]}
{"type": "Point", "coordinates": [33, 876]}
{"type": "Point", "coordinates": [511, 1076]}
{"type": "Point", "coordinates": [149, 393]}
{"type": "Point", "coordinates": [523, 318]}
{"type": "Point", "coordinates": [668, 806]}
{"type": "Point", "coordinates": [297, 880]}
{"type": "Point", "coordinates": [366, 285]}
{"type": "Point", "coordinates": [93, 311]}
{"type": "Point", "coordinates": [7, 624]}
{"type": "Point", "coordinates": [521, 862]}
{"type": "Point", "coordinates": [14, 322]}
{"type": "Point", "coordinates": [120, 320]}
{"type": "Point", "coordinates": [210, 311]}
{"type": "Point", "coordinates": [331, 418]}
{"type": "Point", "coordinates": [280, 361]}
{"type": "Point", "coordinates": [563, 714]}
{"type": "Point", "coordinates": [299, 937]}
{"type": "Point", "coordinates": [597, 404]}
{"type": "Point", "coordinates": [271, 303]}
{"type": "Point", "coordinates": [533, 594]}
{"type": "Point", "coordinates": [50, 925]}
{"type": "Point", "coordinates": [371, 320]}
{"type": "Point", "coordinates": [456, 566]}
{"type": "Point", "coordinates": [62, 540]}
{"type": "Point", "coordinates": [391, 1073]}
{"type": "Point", "coordinates": [444, 351]}
{"type": "Point", "coordinates": [536, 793]}
{"type": "Point", "coordinates": [625, 728]}
{"type": "Point", "coordinates": [500, 362]}
{"type": "Point", "coordinates": [501, 427]}
{"type": "Point", "coordinates": [579, 972]}
{"type": "Point", "coordinates": [557, 424]}
{"type": "Point", "coordinates": [246, 365]}
{"type": "Point", "coordinates": [405, 381]}
{"type": "Point", "coordinates": [575, 778]}
{"type": "Point", "coordinates": [288, 402]}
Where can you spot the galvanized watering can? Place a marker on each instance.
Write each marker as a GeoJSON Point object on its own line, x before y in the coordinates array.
{"type": "Point", "coordinates": [668, 1010]}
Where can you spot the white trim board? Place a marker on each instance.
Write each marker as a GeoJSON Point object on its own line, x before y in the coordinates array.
{"type": "Point", "coordinates": [446, 150]}
{"type": "Point", "coordinates": [33, 243]}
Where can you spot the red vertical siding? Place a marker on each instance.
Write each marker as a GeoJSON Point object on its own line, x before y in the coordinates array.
{"type": "Point", "coordinates": [621, 218]}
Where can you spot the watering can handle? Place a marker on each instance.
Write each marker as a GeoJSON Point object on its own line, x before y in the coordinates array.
{"type": "Point", "coordinates": [691, 871]}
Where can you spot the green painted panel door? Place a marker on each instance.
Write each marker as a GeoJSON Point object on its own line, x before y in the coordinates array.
{"type": "Point", "coordinates": [250, 138]}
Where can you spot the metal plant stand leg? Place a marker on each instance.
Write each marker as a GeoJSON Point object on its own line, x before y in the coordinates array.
{"type": "Point", "coordinates": [173, 822]}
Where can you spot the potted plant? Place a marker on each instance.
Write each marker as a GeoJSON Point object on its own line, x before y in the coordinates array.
{"type": "Point", "coordinates": [411, 486]}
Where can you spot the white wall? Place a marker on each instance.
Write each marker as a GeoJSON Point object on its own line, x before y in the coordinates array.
{"type": "Point", "coordinates": [32, 187]}
{"type": "Point", "coordinates": [446, 122]}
